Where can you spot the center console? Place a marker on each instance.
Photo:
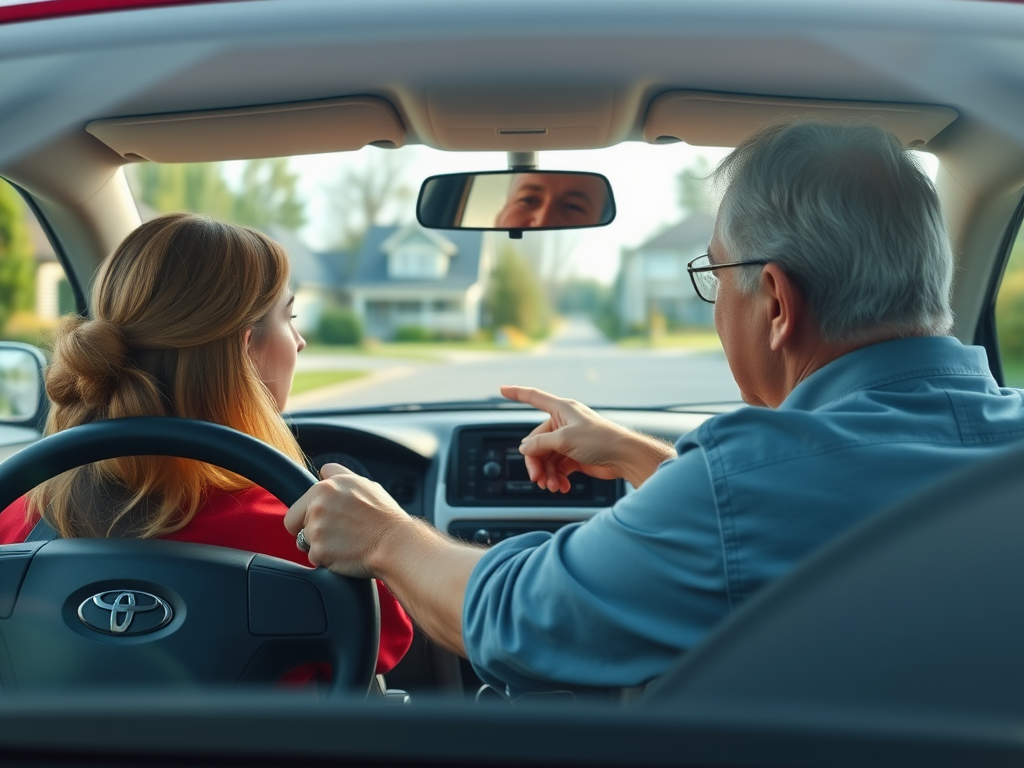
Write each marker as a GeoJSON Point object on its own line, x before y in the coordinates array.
{"type": "Point", "coordinates": [489, 495]}
{"type": "Point", "coordinates": [487, 470]}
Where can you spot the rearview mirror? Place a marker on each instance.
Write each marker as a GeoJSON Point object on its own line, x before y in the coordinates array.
{"type": "Point", "coordinates": [515, 201]}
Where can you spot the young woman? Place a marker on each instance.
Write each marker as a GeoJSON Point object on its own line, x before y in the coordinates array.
{"type": "Point", "coordinates": [192, 318]}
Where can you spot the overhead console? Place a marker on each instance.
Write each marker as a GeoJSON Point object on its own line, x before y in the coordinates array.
{"type": "Point", "coordinates": [273, 130]}
{"type": "Point", "coordinates": [535, 118]}
{"type": "Point", "coordinates": [702, 118]}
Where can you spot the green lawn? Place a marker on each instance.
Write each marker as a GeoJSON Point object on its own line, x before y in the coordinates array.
{"type": "Point", "coordinates": [305, 381]}
{"type": "Point", "coordinates": [695, 339]}
{"type": "Point", "coordinates": [414, 350]}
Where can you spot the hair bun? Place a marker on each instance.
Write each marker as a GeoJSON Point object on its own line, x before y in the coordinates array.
{"type": "Point", "coordinates": [88, 361]}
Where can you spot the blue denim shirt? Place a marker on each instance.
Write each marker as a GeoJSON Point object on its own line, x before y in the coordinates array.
{"type": "Point", "coordinates": [613, 601]}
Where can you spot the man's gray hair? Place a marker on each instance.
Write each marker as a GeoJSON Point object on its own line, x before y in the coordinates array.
{"type": "Point", "coordinates": [850, 216]}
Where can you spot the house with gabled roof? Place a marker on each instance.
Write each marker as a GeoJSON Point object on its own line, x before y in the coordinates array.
{"type": "Point", "coordinates": [654, 281]}
{"type": "Point", "coordinates": [409, 276]}
{"type": "Point", "coordinates": [318, 278]}
{"type": "Point", "coordinates": [399, 276]}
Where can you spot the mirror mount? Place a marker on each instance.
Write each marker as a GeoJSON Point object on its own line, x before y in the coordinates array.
{"type": "Point", "coordinates": [523, 161]}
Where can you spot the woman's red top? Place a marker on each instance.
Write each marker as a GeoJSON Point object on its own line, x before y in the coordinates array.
{"type": "Point", "coordinates": [252, 520]}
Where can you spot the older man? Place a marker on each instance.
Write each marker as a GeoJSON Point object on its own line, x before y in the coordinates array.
{"type": "Point", "coordinates": [540, 200]}
{"type": "Point", "coordinates": [830, 270]}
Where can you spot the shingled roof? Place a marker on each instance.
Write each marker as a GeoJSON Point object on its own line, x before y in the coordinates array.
{"type": "Point", "coordinates": [371, 268]}
{"type": "Point", "coordinates": [695, 229]}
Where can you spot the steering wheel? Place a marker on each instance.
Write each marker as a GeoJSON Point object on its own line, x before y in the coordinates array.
{"type": "Point", "coordinates": [346, 631]}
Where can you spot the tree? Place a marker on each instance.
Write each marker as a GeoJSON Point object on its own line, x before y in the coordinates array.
{"type": "Point", "coordinates": [197, 187]}
{"type": "Point", "coordinates": [1010, 316]}
{"type": "Point", "coordinates": [514, 297]}
{"type": "Point", "coordinates": [364, 194]}
{"type": "Point", "coordinates": [268, 196]}
{"type": "Point", "coordinates": [691, 186]}
{"type": "Point", "coordinates": [17, 272]}
{"type": "Point", "coordinates": [582, 296]}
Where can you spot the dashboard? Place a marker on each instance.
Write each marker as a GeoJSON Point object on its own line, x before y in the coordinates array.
{"type": "Point", "coordinates": [461, 471]}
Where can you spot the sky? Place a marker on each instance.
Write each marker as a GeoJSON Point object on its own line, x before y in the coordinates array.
{"type": "Point", "coordinates": [643, 179]}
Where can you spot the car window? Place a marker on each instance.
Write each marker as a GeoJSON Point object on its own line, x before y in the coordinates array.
{"type": "Point", "coordinates": [1010, 317]}
{"type": "Point", "coordinates": [34, 292]}
{"type": "Point", "coordinates": [394, 313]}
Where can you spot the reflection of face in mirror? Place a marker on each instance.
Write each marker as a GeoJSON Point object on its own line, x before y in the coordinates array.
{"type": "Point", "coordinates": [552, 200]}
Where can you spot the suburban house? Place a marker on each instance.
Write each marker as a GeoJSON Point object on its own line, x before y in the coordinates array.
{"type": "Point", "coordinates": [654, 282]}
{"type": "Point", "coordinates": [53, 294]}
{"type": "Point", "coordinates": [400, 276]}
{"type": "Point", "coordinates": [318, 279]}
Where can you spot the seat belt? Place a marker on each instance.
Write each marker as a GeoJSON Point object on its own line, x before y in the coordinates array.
{"type": "Point", "coordinates": [42, 531]}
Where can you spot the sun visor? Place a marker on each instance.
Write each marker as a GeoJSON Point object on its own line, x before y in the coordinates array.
{"type": "Point", "coordinates": [724, 120]}
{"type": "Point", "coordinates": [276, 130]}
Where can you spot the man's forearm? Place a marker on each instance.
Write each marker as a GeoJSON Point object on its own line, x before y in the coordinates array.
{"type": "Point", "coordinates": [642, 456]}
{"type": "Point", "coordinates": [428, 573]}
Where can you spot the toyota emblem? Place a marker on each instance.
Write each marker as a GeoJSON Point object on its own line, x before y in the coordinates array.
{"type": "Point", "coordinates": [125, 612]}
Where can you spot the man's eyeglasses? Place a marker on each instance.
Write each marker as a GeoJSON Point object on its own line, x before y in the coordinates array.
{"type": "Point", "coordinates": [705, 281]}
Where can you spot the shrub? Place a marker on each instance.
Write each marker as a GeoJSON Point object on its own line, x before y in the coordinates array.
{"type": "Point", "coordinates": [413, 333]}
{"type": "Point", "coordinates": [339, 326]}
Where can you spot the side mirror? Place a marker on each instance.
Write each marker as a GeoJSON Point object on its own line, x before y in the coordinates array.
{"type": "Point", "coordinates": [22, 396]}
{"type": "Point", "coordinates": [516, 201]}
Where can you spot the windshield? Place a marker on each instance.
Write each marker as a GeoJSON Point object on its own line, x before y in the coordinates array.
{"type": "Point", "coordinates": [395, 314]}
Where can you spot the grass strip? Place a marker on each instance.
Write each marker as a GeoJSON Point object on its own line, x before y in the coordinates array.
{"type": "Point", "coordinates": [306, 381]}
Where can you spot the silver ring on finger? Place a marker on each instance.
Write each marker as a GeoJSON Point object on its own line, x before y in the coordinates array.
{"type": "Point", "coordinates": [300, 541]}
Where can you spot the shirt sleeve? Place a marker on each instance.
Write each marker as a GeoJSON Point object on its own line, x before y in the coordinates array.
{"type": "Point", "coordinates": [14, 523]}
{"type": "Point", "coordinates": [609, 602]}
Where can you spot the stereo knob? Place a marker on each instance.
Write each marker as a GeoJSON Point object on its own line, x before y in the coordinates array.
{"type": "Point", "coordinates": [483, 536]}
{"type": "Point", "coordinates": [491, 470]}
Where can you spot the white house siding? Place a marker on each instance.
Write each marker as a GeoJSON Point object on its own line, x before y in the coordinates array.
{"type": "Point", "coordinates": [654, 279]}
{"type": "Point", "coordinates": [309, 306]}
{"type": "Point", "coordinates": [453, 313]}
{"type": "Point", "coordinates": [48, 277]}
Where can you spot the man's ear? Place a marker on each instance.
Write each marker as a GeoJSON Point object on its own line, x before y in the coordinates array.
{"type": "Point", "coordinates": [786, 306]}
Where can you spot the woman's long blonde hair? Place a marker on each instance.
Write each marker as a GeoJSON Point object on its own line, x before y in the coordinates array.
{"type": "Point", "coordinates": [172, 307]}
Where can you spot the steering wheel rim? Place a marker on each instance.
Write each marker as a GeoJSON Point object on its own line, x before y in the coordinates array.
{"type": "Point", "coordinates": [166, 436]}
{"type": "Point", "coordinates": [154, 436]}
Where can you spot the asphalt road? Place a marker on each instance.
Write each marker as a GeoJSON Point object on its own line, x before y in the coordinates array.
{"type": "Point", "coordinates": [578, 362]}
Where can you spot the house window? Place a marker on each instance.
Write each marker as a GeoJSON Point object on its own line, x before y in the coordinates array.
{"type": "Point", "coordinates": [446, 305]}
{"type": "Point", "coordinates": [417, 261]}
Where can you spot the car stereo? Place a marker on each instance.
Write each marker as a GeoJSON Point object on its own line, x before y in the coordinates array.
{"type": "Point", "coordinates": [486, 469]}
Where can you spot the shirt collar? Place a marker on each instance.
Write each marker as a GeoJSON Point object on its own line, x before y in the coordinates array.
{"type": "Point", "coordinates": [886, 363]}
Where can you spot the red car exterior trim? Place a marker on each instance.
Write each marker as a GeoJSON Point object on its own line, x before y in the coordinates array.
{"type": "Point", "coordinates": [46, 9]}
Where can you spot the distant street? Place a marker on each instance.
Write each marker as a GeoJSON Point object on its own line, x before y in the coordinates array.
{"type": "Point", "coordinates": [577, 362]}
